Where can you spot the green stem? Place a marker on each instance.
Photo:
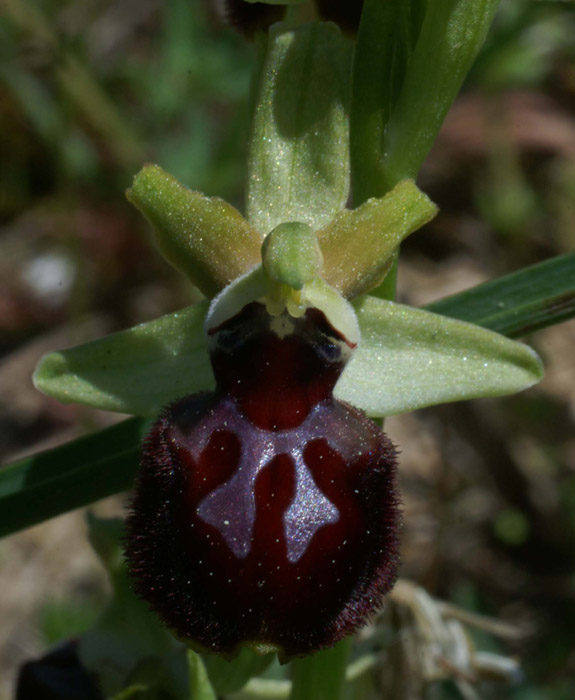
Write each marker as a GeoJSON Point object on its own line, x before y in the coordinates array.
{"type": "Point", "coordinates": [322, 675]}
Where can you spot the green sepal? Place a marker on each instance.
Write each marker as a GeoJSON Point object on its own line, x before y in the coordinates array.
{"type": "Point", "coordinates": [298, 165]}
{"type": "Point", "coordinates": [409, 358]}
{"type": "Point", "coordinates": [204, 237]}
{"type": "Point", "coordinates": [369, 235]}
{"type": "Point", "coordinates": [138, 370]}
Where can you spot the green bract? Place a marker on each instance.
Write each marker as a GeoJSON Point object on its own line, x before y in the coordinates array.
{"type": "Point", "coordinates": [132, 654]}
{"type": "Point", "coordinates": [128, 650]}
{"type": "Point", "coordinates": [405, 80]}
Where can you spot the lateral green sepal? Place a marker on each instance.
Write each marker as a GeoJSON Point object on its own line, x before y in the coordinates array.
{"type": "Point", "coordinates": [204, 237]}
{"type": "Point", "coordinates": [358, 244]}
{"type": "Point", "coordinates": [138, 370]}
{"type": "Point", "coordinates": [409, 358]}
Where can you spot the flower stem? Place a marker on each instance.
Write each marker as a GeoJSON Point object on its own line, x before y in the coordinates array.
{"type": "Point", "coordinates": [322, 675]}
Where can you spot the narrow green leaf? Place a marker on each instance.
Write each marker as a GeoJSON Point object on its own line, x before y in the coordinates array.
{"type": "Point", "coordinates": [71, 476]}
{"type": "Point", "coordinates": [410, 358]}
{"type": "Point", "coordinates": [369, 235]}
{"type": "Point", "coordinates": [200, 686]}
{"type": "Point", "coordinates": [136, 371]}
{"type": "Point", "coordinates": [409, 65]}
{"type": "Point", "coordinates": [451, 35]}
{"type": "Point", "coordinates": [203, 237]}
{"type": "Point", "coordinates": [298, 161]}
{"type": "Point", "coordinates": [519, 303]}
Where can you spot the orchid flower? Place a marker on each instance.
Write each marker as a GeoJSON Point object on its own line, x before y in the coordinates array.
{"type": "Point", "coordinates": [266, 510]}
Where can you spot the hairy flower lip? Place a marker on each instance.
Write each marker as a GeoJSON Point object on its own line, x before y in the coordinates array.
{"type": "Point", "coordinates": [167, 573]}
{"type": "Point", "coordinates": [266, 511]}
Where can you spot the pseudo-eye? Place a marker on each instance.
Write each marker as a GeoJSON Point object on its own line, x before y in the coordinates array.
{"type": "Point", "coordinates": [266, 512]}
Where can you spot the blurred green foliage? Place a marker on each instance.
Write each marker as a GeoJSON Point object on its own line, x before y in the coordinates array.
{"type": "Point", "coordinates": [92, 89]}
{"type": "Point", "coordinates": [64, 619]}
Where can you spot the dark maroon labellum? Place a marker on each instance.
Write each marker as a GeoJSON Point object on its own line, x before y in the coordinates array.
{"type": "Point", "coordinates": [266, 512]}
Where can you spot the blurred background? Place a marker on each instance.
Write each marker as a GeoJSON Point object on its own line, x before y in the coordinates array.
{"type": "Point", "coordinates": [92, 89]}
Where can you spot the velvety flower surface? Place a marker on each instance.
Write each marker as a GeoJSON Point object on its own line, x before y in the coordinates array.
{"type": "Point", "coordinates": [266, 511]}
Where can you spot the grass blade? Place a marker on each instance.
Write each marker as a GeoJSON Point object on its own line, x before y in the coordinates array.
{"type": "Point", "coordinates": [68, 477]}
{"type": "Point", "coordinates": [520, 303]}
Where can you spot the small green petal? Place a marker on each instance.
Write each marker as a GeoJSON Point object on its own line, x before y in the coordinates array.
{"type": "Point", "coordinates": [137, 371]}
{"type": "Point", "coordinates": [204, 237]}
{"type": "Point", "coordinates": [409, 358]}
{"type": "Point", "coordinates": [299, 148]}
{"type": "Point", "coordinates": [358, 244]}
